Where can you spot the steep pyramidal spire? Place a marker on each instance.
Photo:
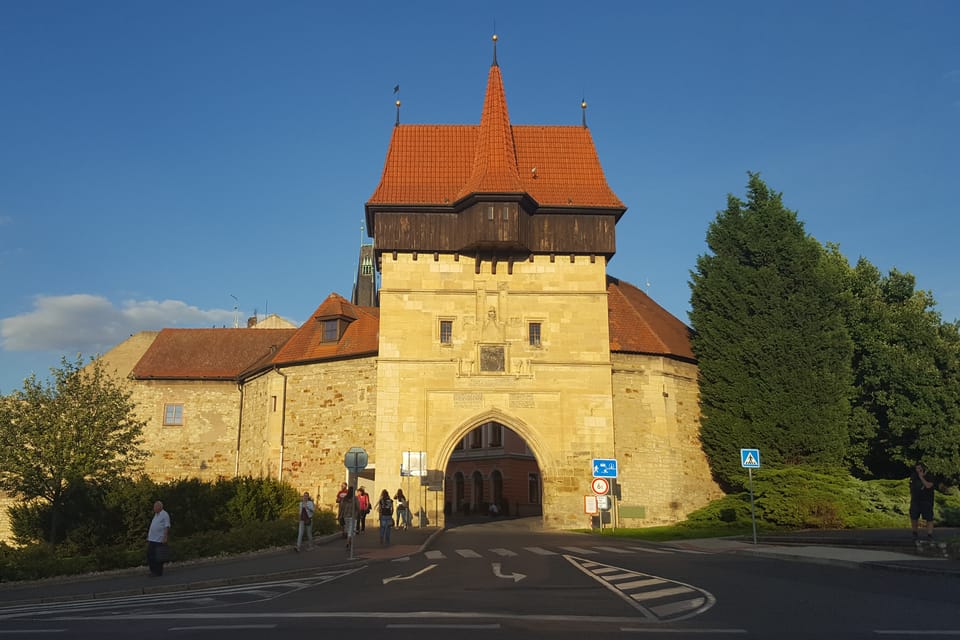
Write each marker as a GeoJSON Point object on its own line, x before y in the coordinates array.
{"type": "Point", "coordinates": [495, 160]}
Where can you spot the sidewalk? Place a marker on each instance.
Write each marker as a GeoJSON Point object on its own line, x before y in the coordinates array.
{"type": "Point", "coordinates": [889, 549]}
{"type": "Point", "coordinates": [274, 564]}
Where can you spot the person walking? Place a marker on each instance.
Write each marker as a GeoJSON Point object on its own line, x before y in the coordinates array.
{"type": "Point", "coordinates": [157, 536]}
{"type": "Point", "coordinates": [385, 510]}
{"type": "Point", "coordinates": [340, 496]}
{"type": "Point", "coordinates": [403, 506]}
{"type": "Point", "coordinates": [921, 500]}
{"type": "Point", "coordinates": [364, 500]}
{"type": "Point", "coordinates": [350, 509]}
{"type": "Point", "coordinates": [306, 521]}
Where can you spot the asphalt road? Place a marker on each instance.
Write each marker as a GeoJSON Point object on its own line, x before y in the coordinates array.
{"type": "Point", "coordinates": [499, 581]}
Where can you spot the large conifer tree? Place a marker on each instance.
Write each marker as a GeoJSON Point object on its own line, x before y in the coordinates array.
{"type": "Point", "coordinates": [770, 339]}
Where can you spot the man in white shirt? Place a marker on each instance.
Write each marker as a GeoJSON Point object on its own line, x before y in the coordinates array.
{"type": "Point", "coordinates": [157, 538]}
{"type": "Point", "coordinates": [306, 520]}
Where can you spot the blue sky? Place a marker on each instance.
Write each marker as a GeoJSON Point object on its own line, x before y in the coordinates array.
{"type": "Point", "coordinates": [159, 160]}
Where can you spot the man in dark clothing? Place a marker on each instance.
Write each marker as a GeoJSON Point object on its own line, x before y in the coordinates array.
{"type": "Point", "coordinates": [921, 500]}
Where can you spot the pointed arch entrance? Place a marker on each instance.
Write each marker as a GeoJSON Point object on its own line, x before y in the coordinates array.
{"type": "Point", "coordinates": [491, 470]}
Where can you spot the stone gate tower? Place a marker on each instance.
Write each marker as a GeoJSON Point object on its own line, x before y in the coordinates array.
{"type": "Point", "coordinates": [493, 241]}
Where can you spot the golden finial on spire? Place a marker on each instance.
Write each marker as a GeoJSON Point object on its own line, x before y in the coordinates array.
{"type": "Point", "coordinates": [495, 38]}
{"type": "Point", "coordinates": [398, 113]}
{"type": "Point", "coordinates": [583, 105]}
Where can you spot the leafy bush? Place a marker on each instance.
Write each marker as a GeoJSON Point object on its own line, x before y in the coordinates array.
{"type": "Point", "coordinates": [801, 498]}
{"type": "Point", "coordinates": [109, 524]}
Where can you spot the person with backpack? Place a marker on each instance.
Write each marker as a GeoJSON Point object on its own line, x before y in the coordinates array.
{"type": "Point", "coordinates": [385, 509]}
{"type": "Point", "coordinates": [403, 510]}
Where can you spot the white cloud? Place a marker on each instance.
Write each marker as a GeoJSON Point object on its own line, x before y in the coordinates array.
{"type": "Point", "coordinates": [92, 324]}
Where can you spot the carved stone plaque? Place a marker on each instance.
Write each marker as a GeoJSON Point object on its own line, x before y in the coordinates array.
{"type": "Point", "coordinates": [491, 358]}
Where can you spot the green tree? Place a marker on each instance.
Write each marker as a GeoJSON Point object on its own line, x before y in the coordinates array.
{"type": "Point", "coordinates": [770, 340]}
{"type": "Point", "coordinates": [906, 402]}
{"type": "Point", "coordinates": [79, 427]}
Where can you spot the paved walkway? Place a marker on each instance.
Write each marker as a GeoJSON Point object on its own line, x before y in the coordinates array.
{"type": "Point", "coordinates": [891, 549]}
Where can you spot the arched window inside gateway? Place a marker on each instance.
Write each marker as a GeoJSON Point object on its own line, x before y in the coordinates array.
{"type": "Point", "coordinates": [492, 472]}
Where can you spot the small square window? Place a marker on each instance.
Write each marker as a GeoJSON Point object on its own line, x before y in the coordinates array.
{"type": "Point", "coordinates": [173, 415]}
{"type": "Point", "coordinates": [330, 331]}
{"type": "Point", "coordinates": [446, 331]}
{"type": "Point", "coordinates": [534, 333]}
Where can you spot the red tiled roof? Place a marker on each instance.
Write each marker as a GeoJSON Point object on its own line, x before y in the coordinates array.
{"type": "Point", "coordinates": [360, 338]}
{"type": "Point", "coordinates": [640, 325]}
{"type": "Point", "coordinates": [437, 165]}
{"type": "Point", "coordinates": [207, 354]}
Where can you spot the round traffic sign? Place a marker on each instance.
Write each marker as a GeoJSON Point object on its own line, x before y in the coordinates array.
{"type": "Point", "coordinates": [356, 460]}
{"type": "Point", "coordinates": [600, 486]}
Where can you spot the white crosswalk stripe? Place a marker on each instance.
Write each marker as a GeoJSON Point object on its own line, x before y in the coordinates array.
{"type": "Point", "coordinates": [649, 550]}
{"type": "Point", "coordinates": [540, 551]}
{"type": "Point", "coordinates": [503, 552]}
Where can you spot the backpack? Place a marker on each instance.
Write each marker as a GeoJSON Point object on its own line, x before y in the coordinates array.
{"type": "Point", "coordinates": [386, 507]}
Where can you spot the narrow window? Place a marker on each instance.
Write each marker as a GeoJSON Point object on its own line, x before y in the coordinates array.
{"type": "Point", "coordinates": [495, 437]}
{"type": "Point", "coordinates": [533, 488]}
{"type": "Point", "coordinates": [273, 403]}
{"type": "Point", "coordinates": [446, 331]}
{"type": "Point", "coordinates": [366, 267]}
{"type": "Point", "coordinates": [490, 212]}
{"type": "Point", "coordinates": [330, 333]}
{"type": "Point", "coordinates": [173, 415]}
{"type": "Point", "coordinates": [476, 438]}
{"type": "Point", "coordinates": [506, 212]}
{"type": "Point", "coordinates": [534, 333]}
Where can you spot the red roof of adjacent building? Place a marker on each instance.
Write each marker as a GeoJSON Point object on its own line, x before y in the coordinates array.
{"type": "Point", "coordinates": [640, 325]}
{"type": "Point", "coordinates": [207, 354]}
{"type": "Point", "coordinates": [438, 165]}
{"type": "Point", "coordinates": [360, 337]}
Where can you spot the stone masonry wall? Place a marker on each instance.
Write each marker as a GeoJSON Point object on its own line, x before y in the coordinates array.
{"type": "Point", "coordinates": [662, 467]}
{"type": "Point", "coordinates": [556, 395]}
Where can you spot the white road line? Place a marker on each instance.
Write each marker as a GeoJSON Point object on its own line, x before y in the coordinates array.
{"type": "Point", "coordinates": [614, 549]}
{"type": "Point", "coordinates": [222, 627]}
{"type": "Point", "coordinates": [468, 553]}
{"type": "Point", "coordinates": [506, 553]}
{"type": "Point", "coordinates": [658, 630]}
{"type": "Point", "coordinates": [443, 626]}
{"type": "Point", "coordinates": [581, 550]}
{"type": "Point", "coordinates": [917, 632]}
{"type": "Point", "coordinates": [540, 551]}
{"type": "Point", "coordinates": [680, 606]}
{"type": "Point", "coordinates": [435, 555]}
{"type": "Point", "coordinates": [21, 632]}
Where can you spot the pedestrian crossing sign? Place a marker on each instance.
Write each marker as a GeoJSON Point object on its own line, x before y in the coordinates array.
{"type": "Point", "coordinates": [750, 458]}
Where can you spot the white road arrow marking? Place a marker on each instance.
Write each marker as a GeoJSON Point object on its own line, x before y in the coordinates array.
{"type": "Point", "coordinates": [516, 577]}
{"type": "Point", "coordinates": [411, 576]}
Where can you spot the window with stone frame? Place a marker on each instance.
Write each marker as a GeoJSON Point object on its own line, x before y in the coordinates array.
{"type": "Point", "coordinates": [173, 415]}
{"type": "Point", "coordinates": [446, 332]}
{"type": "Point", "coordinates": [533, 333]}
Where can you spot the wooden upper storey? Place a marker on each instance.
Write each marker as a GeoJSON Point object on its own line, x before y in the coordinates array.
{"type": "Point", "coordinates": [493, 187]}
